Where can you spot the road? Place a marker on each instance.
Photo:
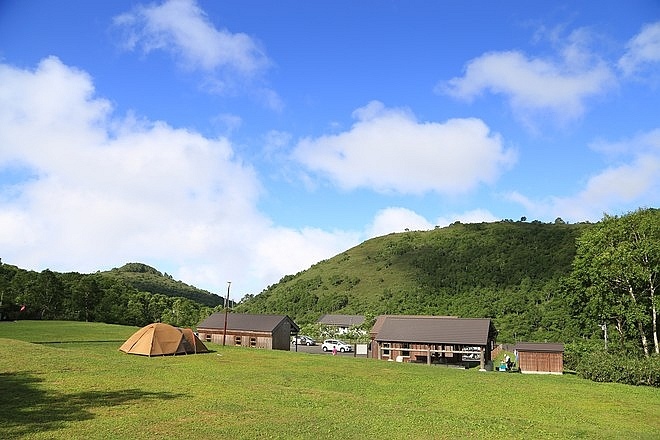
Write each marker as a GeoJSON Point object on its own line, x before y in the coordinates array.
{"type": "Point", "coordinates": [316, 349]}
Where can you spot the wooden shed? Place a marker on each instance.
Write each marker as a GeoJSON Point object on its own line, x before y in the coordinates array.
{"type": "Point", "coordinates": [540, 358]}
{"type": "Point", "coordinates": [247, 330]}
{"type": "Point", "coordinates": [343, 323]}
{"type": "Point", "coordinates": [433, 339]}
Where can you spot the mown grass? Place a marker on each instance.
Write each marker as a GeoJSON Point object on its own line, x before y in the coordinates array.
{"type": "Point", "coordinates": [91, 390]}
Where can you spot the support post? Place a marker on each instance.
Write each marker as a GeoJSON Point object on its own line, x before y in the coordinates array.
{"type": "Point", "coordinates": [224, 332]}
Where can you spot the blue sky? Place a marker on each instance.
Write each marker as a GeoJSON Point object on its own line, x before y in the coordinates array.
{"type": "Point", "coordinates": [243, 141]}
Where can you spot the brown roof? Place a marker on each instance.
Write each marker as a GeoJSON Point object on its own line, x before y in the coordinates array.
{"type": "Point", "coordinates": [342, 320]}
{"type": "Point", "coordinates": [244, 321]}
{"type": "Point", "coordinates": [432, 329]}
{"type": "Point", "coordinates": [381, 319]}
{"type": "Point", "coordinates": [538, 346]}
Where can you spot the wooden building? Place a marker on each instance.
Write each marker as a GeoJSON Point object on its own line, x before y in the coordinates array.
{"type": "Point", "coordinates": [246, 330]}
{"type": "Point", "coordinates": [540, 358]}
{"type": "Point", "coordinates": [433, 339]}
{"type": "Point", "coordinates": [341, 322]}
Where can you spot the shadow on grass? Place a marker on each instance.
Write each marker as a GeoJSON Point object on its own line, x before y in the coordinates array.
{"type": "Point", "coordinates": [27, 408]}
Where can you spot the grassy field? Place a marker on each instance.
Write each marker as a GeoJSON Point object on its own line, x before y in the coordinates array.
{"type": "Point", "coordinates": [86, 388]}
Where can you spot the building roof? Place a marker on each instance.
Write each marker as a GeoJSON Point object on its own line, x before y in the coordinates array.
{"type": "Point", "coordinates": [381, 319]}
{"type": "Point", "coordinates": [432, 329]}
{"type": "Point", "coordinates": [540, 347]}
{"type": "Point", "coordinates": [245, 321]}
{"type": "Point", "coordinates": [341, 320]}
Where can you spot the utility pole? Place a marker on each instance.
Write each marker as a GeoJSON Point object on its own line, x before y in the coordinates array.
{"type": "Point", "coordinates": [224, 332]}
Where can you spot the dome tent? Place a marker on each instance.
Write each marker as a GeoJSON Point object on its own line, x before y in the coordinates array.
{"type": "Point", "coordinates": [160, 339]}
{"type": "Point", "coordinates": [193, 342]}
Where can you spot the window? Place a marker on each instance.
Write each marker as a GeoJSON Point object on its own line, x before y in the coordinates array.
{"type": "Point", "coordinates": [386, 348]}
{"type": "Point", "coordinates": [253, 342]}
{"type": "Point", "coordinates": [238, 340]}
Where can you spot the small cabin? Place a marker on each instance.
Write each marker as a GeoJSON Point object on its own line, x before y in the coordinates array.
{"type": "Point", "coordinates": [540, 358]}
{"type": "Point", "coordinates": [342, 323]}
{"type": "Point", "coordinates": [246, 330]}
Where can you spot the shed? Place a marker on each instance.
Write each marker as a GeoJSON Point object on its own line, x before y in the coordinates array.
{"type": "Point", "coordinates": [433, 339]}
{"type": "Point", "coordinates": [341, 322]}
{"type": "Point", "coordinates": [248, 330]}
{"type": "Point", "coordinates": [540, 358]}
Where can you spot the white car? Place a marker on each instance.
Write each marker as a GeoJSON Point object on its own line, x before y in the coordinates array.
{"type": "Point", "coordinates": [330, 344]}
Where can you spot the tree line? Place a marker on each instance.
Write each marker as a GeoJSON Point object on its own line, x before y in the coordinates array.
{"type": "Point", "coordinates": [98, 297]}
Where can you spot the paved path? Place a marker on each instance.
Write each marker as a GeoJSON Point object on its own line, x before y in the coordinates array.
{"type": "Point", "coordinates": [316, 349]}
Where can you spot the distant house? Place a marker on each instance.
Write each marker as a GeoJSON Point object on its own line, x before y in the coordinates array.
{"type": "Point", "coordinates": [433, 339]}
{"type": "Point", "coordinates": [258, 331]}
{"type": "Point", "coordinates": [540, 358]}
{"type": "Point", "coordinates": [341, 322]}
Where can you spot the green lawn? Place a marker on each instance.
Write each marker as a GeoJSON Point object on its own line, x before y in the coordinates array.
{"type": "Point", "coordinates": [88, 389]}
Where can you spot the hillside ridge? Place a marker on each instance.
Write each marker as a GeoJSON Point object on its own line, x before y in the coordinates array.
{"type": "Point", "coordinates": [502, 270]}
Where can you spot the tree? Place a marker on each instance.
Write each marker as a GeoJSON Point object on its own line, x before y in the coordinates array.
{"type": "Point", "coordinates": [43, 294]}
{"type": "Point", "coordinates": [85, 296]}
{"type": "Point", "coordinates": [643, 230]}
{"type": "Point", "coordinates": [617, 265]}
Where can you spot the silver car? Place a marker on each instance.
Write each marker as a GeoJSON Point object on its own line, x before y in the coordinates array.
{"type": "Point", "coordinates": [303, 340]}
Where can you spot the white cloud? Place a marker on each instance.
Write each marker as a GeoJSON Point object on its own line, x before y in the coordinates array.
{"type": "Point", "coordinates": [97, 191]}
{"type": "Point", "coordinates": [642, 50]}
{"type": "Point", "coordinates": [560, 86]}
{"type": "Point", "coordinates": [227, 122]}
{"type": "Point", "coordinates": [301, 248]}
{"type": "Point", "coordinates": [618, 188]}
{"type": "Point", "coordinates": [397, 219]}
{"type": "Point", "coordinates": [387, 150]}
{"type": "Point", "coordinates": [182, 29]}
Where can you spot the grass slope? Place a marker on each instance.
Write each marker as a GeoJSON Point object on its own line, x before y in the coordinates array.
{"type": "Point", "coordinates": [91, 390]}
{"type": "Point", "coordinates": [444, 271]}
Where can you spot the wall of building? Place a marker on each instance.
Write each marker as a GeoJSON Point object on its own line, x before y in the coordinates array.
{"type": "Point", "coordinates": [242, 339]}
{"type": "Point", "coordinates": [282, 336]}
{"type": "Point", "coordinates": [440, 353]}
{"type": "Point", "coordinates": [541, 362]}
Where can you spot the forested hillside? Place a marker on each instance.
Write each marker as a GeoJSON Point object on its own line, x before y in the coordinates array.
{"type": "Point", "coordinates": [509, 271]}
{"type": "Point", "coordinates": [134, 294]}
{"type": "Point", "coordinates": [147, 279]}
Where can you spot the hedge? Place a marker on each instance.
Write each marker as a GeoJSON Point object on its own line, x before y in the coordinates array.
{"type": "Point", "coordinates": [607, 367]}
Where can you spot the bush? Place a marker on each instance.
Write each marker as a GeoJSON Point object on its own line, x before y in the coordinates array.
{"type": "Point", "coordinates": [607, 367]}
{"type": "Point", "coordinates": [576, 351]}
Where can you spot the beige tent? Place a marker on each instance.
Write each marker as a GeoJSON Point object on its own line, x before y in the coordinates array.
{"type": "Point", "coordinates": [192, 342]}
{"type": "Point", "coordinates": [162, 339]}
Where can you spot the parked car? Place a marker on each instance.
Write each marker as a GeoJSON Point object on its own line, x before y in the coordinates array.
{"type": "Point", "coordinates": [475, 354]}
{"type": "Point", "coordinates": [342, 346]}
{"type": "Point", "coordinates": [303, 340]}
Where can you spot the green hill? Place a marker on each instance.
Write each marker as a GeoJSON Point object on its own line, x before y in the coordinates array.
{"type": "Point", "coordinates": [509, 271]}
{"type": "Point", "coordinates": [145, 278]}
{"type": "Point", "coordinates": [134, 294]}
